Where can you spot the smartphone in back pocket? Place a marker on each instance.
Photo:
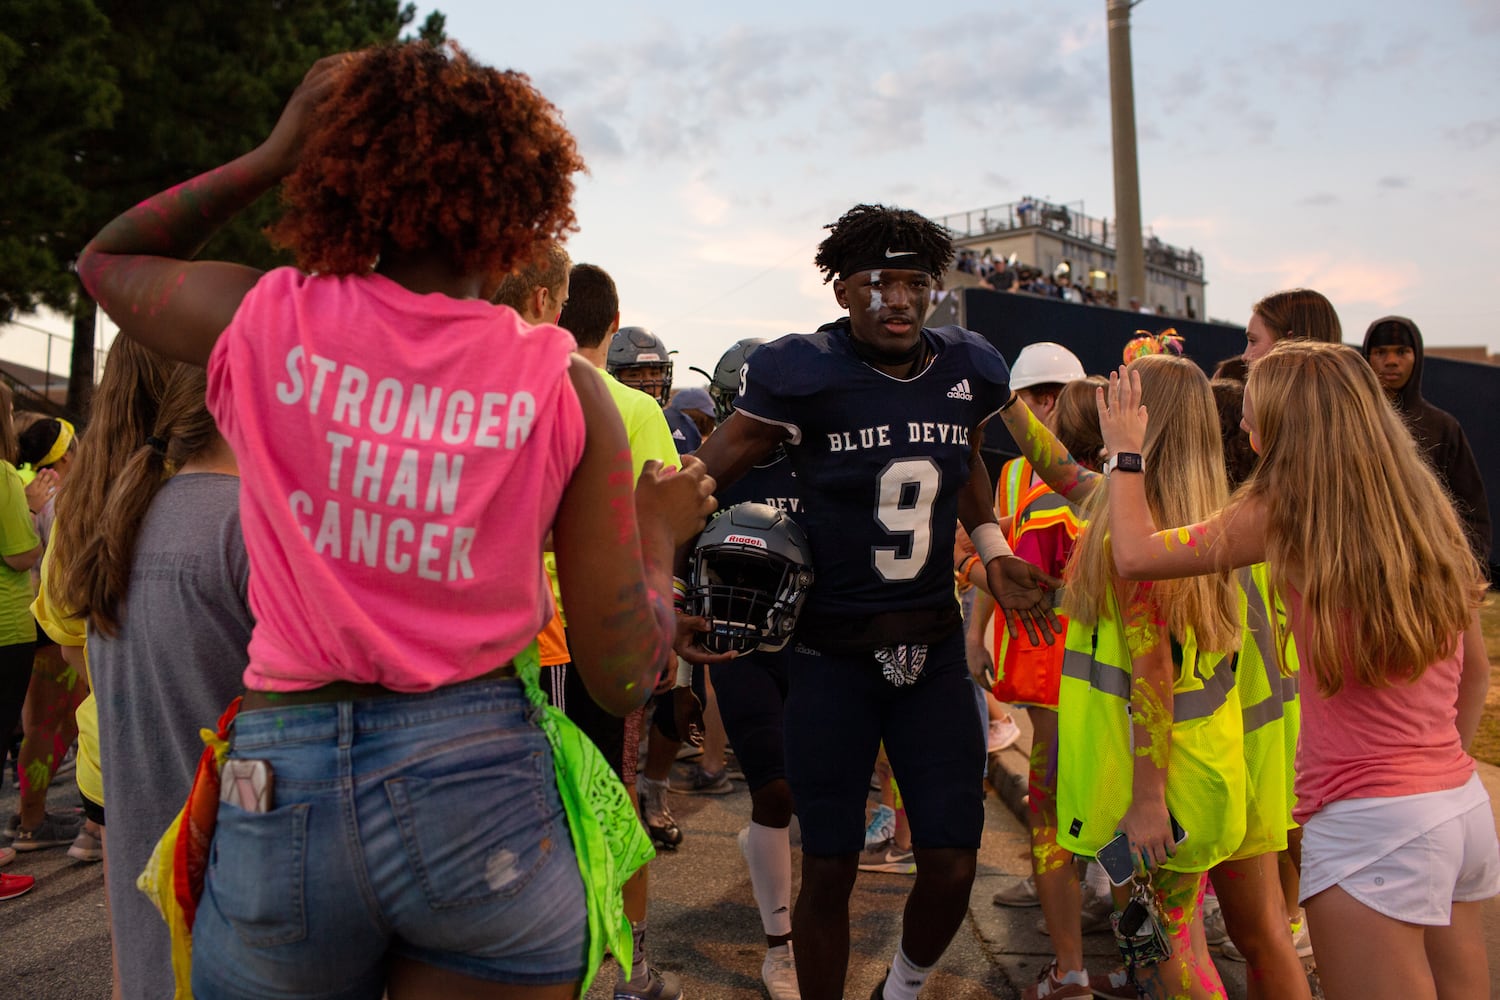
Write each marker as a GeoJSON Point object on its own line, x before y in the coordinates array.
{"type": "Point", "coordinates": [246, 784]}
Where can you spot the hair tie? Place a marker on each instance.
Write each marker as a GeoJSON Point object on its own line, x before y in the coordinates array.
{"type": "Point", "coordinates": [1166, 342]}
{"type": "Point", "coordinates": [156, 444]}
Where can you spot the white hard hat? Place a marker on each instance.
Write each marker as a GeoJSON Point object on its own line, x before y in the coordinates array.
{"type": "Point", "coordinates": [1045, 362]}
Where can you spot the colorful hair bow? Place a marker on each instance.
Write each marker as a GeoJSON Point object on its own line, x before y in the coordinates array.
{"type": "Point", "coordinates": [1166, 342]}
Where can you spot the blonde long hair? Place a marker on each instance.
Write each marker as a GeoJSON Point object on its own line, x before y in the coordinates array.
{"type": "Point", "coordinates": [1389, 583]}
{"type": "Point", "coordinates": [1185, 483]}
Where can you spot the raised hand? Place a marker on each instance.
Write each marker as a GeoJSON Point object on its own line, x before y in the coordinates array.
{"type": "Point", "coordinates": [283, 147]}
{"type": "Point", "coordinates": [1122, 418]}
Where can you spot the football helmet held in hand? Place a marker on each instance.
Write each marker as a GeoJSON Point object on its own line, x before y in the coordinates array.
{"type": "Point", "coordinates": [750, 574]}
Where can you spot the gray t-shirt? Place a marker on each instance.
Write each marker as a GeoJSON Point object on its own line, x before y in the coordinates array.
{"type": "Point", "coordinates": [171, 670]}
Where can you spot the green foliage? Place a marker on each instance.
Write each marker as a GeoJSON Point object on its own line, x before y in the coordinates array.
{"type": "Point", "coordinates": [105, 102]}
{"type": "Point", "coordinates": [56, 89]}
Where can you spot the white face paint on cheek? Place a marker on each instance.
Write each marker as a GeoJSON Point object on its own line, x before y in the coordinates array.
{"type": "Point", "coordinates": [875, 301]}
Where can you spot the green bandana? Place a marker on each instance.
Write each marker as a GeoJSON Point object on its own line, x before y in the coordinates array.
{"type": "Point", "coordinates": [607, 835]}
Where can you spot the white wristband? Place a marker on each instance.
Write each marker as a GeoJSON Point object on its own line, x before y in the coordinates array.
{"type": "Point", "coordinates": [989, 542]}
{"type": "Point", "coordinates": [684, 673]}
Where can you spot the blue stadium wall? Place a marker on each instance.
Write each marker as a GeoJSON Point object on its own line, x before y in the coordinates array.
{"type": "Point", "coordinates": [1471, 392]}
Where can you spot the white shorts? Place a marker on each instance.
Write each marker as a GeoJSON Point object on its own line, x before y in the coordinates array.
{"type": "Point", "coordinates": [1409, 857]}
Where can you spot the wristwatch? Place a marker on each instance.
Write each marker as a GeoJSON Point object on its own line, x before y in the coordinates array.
{"type": "Point", "coordinates": [1125, 461]}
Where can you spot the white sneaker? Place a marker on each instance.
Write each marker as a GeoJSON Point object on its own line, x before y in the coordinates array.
{"type": "Point", "coordinates": [1003, 733]}
{"type": "Point", "coordinates": [779, 973]}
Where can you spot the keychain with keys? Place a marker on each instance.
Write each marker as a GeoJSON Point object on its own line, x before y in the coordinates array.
{"type": "Point", "coordinates": [1138, 928]}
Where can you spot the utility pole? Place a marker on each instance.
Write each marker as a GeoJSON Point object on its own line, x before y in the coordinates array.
{"type": "Point", "coordinates": [1130, 261]}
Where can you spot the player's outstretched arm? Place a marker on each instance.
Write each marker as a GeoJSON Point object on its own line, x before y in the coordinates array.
{"type": "Point", "coordinates": [739, 444]}
{"type": "Point", "coordinates": [139, 266]}
{"type": "Point", "coordinates": [614, 538]}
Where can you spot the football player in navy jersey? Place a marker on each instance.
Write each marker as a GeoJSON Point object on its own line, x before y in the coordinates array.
{"type": "Point", "coordinates": [752, 695]}
{"type": "Point", "coordinates": [880, 419]}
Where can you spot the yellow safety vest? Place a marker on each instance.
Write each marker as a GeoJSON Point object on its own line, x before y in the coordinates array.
{"type": "Point", "coordinates": [1205, 766]}
{"type": "Point", "coordinates": [1031, 508]}
{"type": "Point", "coordinates": [1269, 704]}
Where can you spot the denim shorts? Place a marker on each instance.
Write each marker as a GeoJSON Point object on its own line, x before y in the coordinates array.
{"type": "Point", "coordinates": [425, 826]}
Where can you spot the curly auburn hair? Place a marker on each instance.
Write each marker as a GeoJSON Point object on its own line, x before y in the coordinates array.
{"type": "Point", "coordinates": [865, 231]}
{"type": "Point", "coordinates": [420, 149]}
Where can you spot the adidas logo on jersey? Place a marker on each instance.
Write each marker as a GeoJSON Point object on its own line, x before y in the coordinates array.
{"type": "Point", "coordinates": [961, 391]}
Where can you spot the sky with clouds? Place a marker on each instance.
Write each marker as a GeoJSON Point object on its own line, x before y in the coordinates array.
{"type": "Point", "coordinates": [1353, 147]}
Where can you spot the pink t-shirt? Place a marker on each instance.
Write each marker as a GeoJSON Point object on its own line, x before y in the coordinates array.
{"type": "Point", "coordinates": [1367, 742]}
{"type": "Point", "coordinates": [401, 459]}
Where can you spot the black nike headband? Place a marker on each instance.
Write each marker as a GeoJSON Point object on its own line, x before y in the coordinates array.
{"type": "Point", "coordinates": [893, 257]}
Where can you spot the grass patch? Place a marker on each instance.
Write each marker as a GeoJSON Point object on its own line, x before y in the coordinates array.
{"type": "Point", "coordinates": [1487, 740]}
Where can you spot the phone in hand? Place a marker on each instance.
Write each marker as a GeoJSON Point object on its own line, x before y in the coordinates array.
{"type": "Point", "coordinates": [246, 784]}
{"type": "Point", "coordinates": [1115, 857]}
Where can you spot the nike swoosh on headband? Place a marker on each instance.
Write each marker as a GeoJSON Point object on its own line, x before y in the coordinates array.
{"type": "Point", "coordinates": [898, 253]}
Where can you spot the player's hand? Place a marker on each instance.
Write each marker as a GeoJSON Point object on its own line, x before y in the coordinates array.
{"type": "Point", "coordinates": [283, 147]}
{"type": "Point", "coordinates": [1122, 418]}
{"type": "Point", "coordinates": [41, 489]}
{"type": "Point", "coordinates": [680, 500]}
{"type": "Point", "coordinates": [687, 643]}
{"type": "Point", "coordinates": [1024, 595]}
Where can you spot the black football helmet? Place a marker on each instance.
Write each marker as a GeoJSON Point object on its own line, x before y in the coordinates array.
{"type": "Point", "coordinates": [750, 574]}
{"type": "Point", "coordinates": [724, 386]}
{"type": "Point", "coordinates": [639, 358]}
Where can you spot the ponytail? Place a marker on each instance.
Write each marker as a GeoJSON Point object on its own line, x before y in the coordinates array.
{"type": "Point", "coordinates": [123, 414]}
{"type": "Point", "coordinates": [183, 428]}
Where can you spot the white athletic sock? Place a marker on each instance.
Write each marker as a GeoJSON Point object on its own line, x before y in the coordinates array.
{"type": "Point", "coordinates": [768, 855]}
{"type": "Point", "coordinates": [905, 980]}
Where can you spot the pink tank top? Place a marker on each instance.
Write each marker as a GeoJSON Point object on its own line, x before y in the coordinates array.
{"type": "Point", "coordinates": [1367, 742]}
{"type": "Point", "coordinates": [402, 457]}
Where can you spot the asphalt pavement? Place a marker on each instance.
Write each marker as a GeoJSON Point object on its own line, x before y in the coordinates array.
{"type": "Point", "coordinates": [704, 925]}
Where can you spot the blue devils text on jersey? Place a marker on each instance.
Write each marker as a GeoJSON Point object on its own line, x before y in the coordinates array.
{"type": "Point", "coordinates": [881, 462]}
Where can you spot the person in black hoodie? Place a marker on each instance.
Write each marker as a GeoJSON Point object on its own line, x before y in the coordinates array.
{"type": "Point", "coordinates": [1393, 346]}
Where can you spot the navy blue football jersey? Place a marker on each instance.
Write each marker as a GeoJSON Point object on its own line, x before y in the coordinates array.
{"type": "Point", "coordinates": [774, 483]}
{"type": "Point", "coordinates": [684, 432]}
{"type": "Point", "coordinates": [880, 460]}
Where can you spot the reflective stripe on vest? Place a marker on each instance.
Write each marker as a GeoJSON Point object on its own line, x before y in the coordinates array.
{"type": "Point", "coordinates": [1016, 473]}
{"type": "Point", "coordinates": [1106, 678]}
{"type": "Point", "coordinates": [1258, 621]}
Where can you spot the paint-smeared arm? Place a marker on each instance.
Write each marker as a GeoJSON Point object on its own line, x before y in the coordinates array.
{"type": "Point", "coordinates": [614, 537]}
{"type": "Point", "coordinates": [1146, 822]}
{"type": "Point", "coordinates": [1223, 541]}
{"type": "Point", "coordinates": [1052, 462]}
{"type": "Point", "coordinates": [139, 266]}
